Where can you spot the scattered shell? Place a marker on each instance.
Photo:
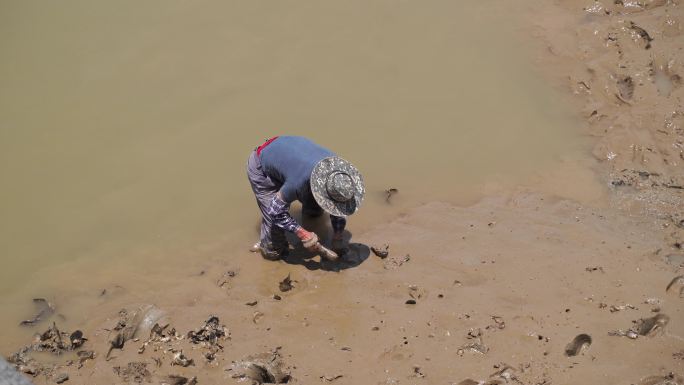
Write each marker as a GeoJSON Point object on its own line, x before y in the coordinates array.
{"type": "Point", "coordinates": [210, 333]}
{"type": "Point", "coordinates": [624, 333]}
{"type": "Point", "coordinates": [579, 343]}
{"type": "Point", "coordinates": [614, 308]}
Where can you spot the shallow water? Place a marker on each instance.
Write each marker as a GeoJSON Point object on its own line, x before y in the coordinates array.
{"type": "Point", "coordinates": [125, 126]}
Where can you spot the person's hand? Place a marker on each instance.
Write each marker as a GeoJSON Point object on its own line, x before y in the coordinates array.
{"type": "Point", "coordinates": [309, 239]}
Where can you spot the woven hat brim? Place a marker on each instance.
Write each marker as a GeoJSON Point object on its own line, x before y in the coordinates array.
{"type": "Point", "coordinates": [319, 176]}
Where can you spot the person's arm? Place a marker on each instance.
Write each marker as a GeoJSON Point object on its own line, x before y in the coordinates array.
{"type": "Point", "coordinates": [279, 210]}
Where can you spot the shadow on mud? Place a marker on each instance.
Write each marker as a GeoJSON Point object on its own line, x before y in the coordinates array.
{"type": "Point", "coordinates": [355, 255]}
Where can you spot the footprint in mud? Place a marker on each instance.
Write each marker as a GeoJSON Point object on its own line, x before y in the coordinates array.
{"type": "Point", "coordinates": [664, 77]}
{"type": "Point", "coordinates": [265, 368]}
{"type": "Point", "coordinates": [670, 379]}
{"type": "Point", "coordinates": [174, 379]}
{"type": "Point", "coordinates": [578, 344]}
{"type": "Point", "coordinates": [625, 87]}
{"type": "Point", "coordinates": [651, 326]}
{"type": "Point", "coordinates": [676, 286]}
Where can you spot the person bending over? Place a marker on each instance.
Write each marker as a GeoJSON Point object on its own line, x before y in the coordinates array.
{"type": "Point", "coordinates": [288, 168]}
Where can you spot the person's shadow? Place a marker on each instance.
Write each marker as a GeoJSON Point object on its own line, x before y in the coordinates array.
{"type": "Point", "coordinates": [355, 254]}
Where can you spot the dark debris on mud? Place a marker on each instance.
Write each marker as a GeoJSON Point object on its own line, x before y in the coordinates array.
{"type": "Point", "coordinates": [53, 341]}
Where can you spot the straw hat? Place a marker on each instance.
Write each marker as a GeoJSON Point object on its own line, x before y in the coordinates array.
{"type": "Point", "coordinates": [337, 186]}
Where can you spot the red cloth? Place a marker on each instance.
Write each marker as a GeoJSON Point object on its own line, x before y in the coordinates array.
{"type": "Point", "coordinates": [266, 143]}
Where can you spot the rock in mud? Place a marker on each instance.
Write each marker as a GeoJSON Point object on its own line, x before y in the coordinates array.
{"type": "Point", "coordinates": [579, 343]}
{"type": "Point", "coordinates": [286, 284]}
{"type": "Point", "coordinates": [60, 378]}
{"type": "Point", "coordinates": [265, 368]}
{"type": "Point", "coordinates": [676, 286]}
{"type": "Point", "coordinates": [45, 310]}
{"type": "Point", "coordinates": [76, 338]}
{"type": "Point", "coordinates": [133, 372]}
{"type": "Point", "coordinates": [129, 323]}
{"type": "Point", "coordinates": [210, 333]}
{"type": "Point", "coordinates": [381, 252]}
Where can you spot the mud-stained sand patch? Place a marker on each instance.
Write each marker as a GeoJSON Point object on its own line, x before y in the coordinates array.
{"type": "Point", "coordinates": [134, 372]}
{"type": "Point", "coordinates": [670, 379]}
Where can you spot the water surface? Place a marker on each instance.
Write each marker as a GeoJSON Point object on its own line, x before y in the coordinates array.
{"type": "Point", "coordinates": [125, 126]}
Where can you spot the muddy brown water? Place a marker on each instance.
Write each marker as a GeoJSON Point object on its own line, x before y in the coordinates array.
{"type": "Point", "coordinates": [125, 128]}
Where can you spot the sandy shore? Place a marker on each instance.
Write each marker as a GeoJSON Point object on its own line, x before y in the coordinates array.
{"type": "Point", "coordinates": [490, 293]}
